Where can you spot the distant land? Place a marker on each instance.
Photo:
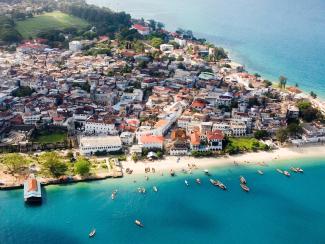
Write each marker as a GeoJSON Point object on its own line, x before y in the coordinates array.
{"type": "Point", "coordinates": [48, 21]}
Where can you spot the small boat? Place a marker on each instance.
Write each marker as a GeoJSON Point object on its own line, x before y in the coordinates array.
{"type": "Point", "coordinates": [155, 189]}
{"type": "Point", "coordinates": [280, 171]}
{"type": "Point", "coordinates": [186, 183]}
{"type": "Point", "coordinates": [198, 181]}
{"type": "Point", "coordinates": [206, 172]}
{"type": "Point", "coordinates": [32, 190]}
{"type": "Point", "coordinates": [218, 184]}
{"type": "Point", "coordinates": [113, 194]}
{"type": "Point", "coordinates": [244, 187]}
{"type": "Point", "coordinates": [147, 178]}
{"type": "Point", "coordinates": [172, 172]}
{"type": "Point", "coordinates": [286, 173]}
{"type": "Point", "coordinates": [153, 170]}
{"type": "Point", "coordinates": [300, 170]}
{"type": "Point", "coordinates": [190, 171]}
{"type": "Point", "coordinates": [138, 223]}
{"type": "Point", "coordinates": [242, 180]}
{"type": "Point", "coordinates": [294, 170]}
{"type": "Point", "coordinates": [142, 190]}
{"type": "Point", "coordinates": [260, 172]}
{"type": "Point", "coordinates": [92, 233]}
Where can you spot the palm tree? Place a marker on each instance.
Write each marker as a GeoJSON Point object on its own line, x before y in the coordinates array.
{"type": "Point", "coordinates": [283, 81]}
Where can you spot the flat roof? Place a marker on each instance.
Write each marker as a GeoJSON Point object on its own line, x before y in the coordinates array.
{"type": "Point", "coordinates": [90, 141]}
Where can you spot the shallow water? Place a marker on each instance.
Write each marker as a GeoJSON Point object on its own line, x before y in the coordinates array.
{"type": "Point", "coordinates": [277, 210]}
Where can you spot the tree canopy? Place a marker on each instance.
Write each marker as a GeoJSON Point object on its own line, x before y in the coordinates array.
{"type": "Point", "coordinates": [14, 162]}
{"type": "Point", "coordinates": [82, 166]}
{"type": "Point", "coordinates": [53, 165]}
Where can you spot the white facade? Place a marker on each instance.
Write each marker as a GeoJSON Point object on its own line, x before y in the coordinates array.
{"type": "Point", "coordinates": [91, 145]}
{"type": "Point", "coordinates": [75, 46]}
{"type": "Point", "coordinates": [99, 128]}
{"type": "Point", "coordinates": [127, 138]}
{"type": "Point", "coordinates": [31, 119]}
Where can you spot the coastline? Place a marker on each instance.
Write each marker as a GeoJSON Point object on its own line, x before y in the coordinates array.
{"type": "Point", "coordinates": [274, 157]}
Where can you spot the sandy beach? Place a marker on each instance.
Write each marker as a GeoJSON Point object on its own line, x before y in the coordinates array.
{"type": "Point", "coordinates": [273, 157]}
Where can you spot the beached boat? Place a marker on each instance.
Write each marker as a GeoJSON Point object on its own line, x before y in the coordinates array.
{"type": "Point", "coordinates": [286, 173]}
{"type": "Point", "coordinates": [92, 233]}
{"type": "Point", "coordinates": [244, 187]}
{"type": "Point", "coordinates": [280, 171]}
{"type": "Point", "coordinates": [242, 180]}
{"type": "Point", "coordinates": [260, 172]}
{"type": "Point", "coordinates": [32, 190]}
{"type": "Point", "coordinates": [186, 183]}
{"type": "Point", "coordinates": [138, 223]}
{"type": "Point", "coordinates": [155, 189]}
{"type": "Point", "coordinates": [198, 181]}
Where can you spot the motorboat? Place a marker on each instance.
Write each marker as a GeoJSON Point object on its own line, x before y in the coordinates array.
{"type": "Point", "coordinates": [198, 181]}
{"type": "Point", "coordinates": [138, 223]}
{"type": "Point", "coordinates": [206, 172]}
{"type": "Point", "coordinates": [300, 170]}
{"type": "Point", "coordinates": [286, 173]}
{"type": "Point", "coordinates": [280, 171]}
{"type": "Point", "coordinates": [221, 185]}
{"type": "Point", "coordinates": [186, 183]}
{"type": "Point", "coordinates": [294, 170]}
{"type": "Point", "coordinates": [92, 233]}
{"type": "Point", "coordinates": [155, 189]}
{"type": "Point", "coordinates": [260, 172]}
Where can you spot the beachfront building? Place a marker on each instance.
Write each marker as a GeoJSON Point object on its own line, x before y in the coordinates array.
{"type": "Point", "coordinates": [293, 112]}
{"type": "Point", "coordinates": [215, 139]}
{"type": "Point", "coordinates": [90, 145]}
{"type": "Point", "coordinates": [179, 148]}
{"type": "Point", "coordinates": [152, 142]}
{"type": "Point", "coordinates": [143, 30]}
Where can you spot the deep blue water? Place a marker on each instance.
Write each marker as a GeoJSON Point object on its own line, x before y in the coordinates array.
{"type": "Point", "coordinates": [277, 210]}
{"type": "Point", "coordinates": [272, 37]}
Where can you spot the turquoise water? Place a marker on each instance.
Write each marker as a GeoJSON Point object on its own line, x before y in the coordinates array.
{"type": "Point", "coordinates": [277, 210]}
{"type": "Point", "coordinates": [272, 37]}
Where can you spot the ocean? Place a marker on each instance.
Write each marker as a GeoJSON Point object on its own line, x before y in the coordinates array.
{"type": "Point", "coordinates": [278, 209]}
{"type": "Point", "coordinates": [271, 37]}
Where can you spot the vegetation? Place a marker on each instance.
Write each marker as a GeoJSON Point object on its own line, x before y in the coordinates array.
{"type": "Point", "coordinates": [307, 112]}
{"type": "Point", "coordinates": [14, 162]}
{"type": "Point", "coordinates": [23, 91]}
{"type": "Point", "coordinates": [134, 157]}
{"type": "Point", "coordinates": [82, 166]}
{"type": "Point", "coordinates": [156, 42]}
{"type": "Point", "coordinates": [8, 33]}
{"type": "Point", "coordinates": [282, 135]}
{"type": "Point", "coordinates": [241, 144]}
{"type": "Point", "coordinates": [50, 137]}
{"type": "Point", "coordinates": [201, 154]}
{"type": "Point", "coordinates": [261, 134]}
{"type": "Point", "coordinates": [48, 21]}
{"type": "Point", "coordinates": [313, 94]}
{"type": "Point", "coordinates": [52, 164]}
{"type": "Point", "coordinates": [282, 82]}
{"type": "Point", "coordinates": [267, 83]}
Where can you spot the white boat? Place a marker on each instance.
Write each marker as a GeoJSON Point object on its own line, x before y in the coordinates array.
{"type": "Point", "coordinates": [244, 187]}
{"type": "Point", "coordinates": [155, 189]}
{"type": "Point", "coordinates": [32, 190]}
{"type": "Point", "coordinates": [294, 170]}
{"type": "Point", "coordinates": [242, 180]}
{"type": "Point", "coordinates": [300, 170]}
{"type": "Point", "coordinates": [198, 181]}
{"type": "Point", "coordinates": [138, 223]}
{"type": "Point", "coordinates": [206, 171]}
{"type": "Point", "coordinates": [286, 173]}
{"type": "Point", "coordinates": [260, 172]}
{"type": "Point", "coordinates": [280, 171]}
{"type": "Point", "coordinates": [186, 183]}
{"type": "Point", "coordinates": [147, 178]}
{"type": "Point", "coordinates": [113, 195]}
{"type": "Point", "coordinates": [92, 233]}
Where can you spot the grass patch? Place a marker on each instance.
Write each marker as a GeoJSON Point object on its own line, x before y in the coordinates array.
{"type": "Point", "coordinates": [55, 137]}
{"type": "Point", "coordinates": [245, 144]}
{"type": "Point", "coordinates": [48, 21]}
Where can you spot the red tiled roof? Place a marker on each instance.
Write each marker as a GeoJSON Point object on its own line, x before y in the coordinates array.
{"type": "Point", "coordinates": [32, 185]}
{"type": "Point", "coordinates": [151, 139]}
{"type": "Point", "coordinates": [215, 135]}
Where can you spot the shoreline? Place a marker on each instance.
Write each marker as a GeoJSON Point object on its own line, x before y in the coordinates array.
{"type": "Point", "coordinates": [250, 159]}
{"type": "Point", "coordinates": [274, 157]}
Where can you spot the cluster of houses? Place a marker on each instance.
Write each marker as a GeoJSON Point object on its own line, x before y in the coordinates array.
{"type": "Point", "coordinates": [175, 105]}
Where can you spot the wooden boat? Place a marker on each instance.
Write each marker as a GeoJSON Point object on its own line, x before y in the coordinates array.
{"type": "Point", "coordinates": [32, 191]}
{"type": "Point", "coordinates": [260, 172]}
{"type": "Point", "coordinates": [138, 223]}
{"type": "Point", "coordinates": [300, 170]}
{"type": "Point", "coordinates": [218, 184]}
{"type": "Point", "coordinates": [280, 171]}
{"type": "Point", "coordinates": [155, 189]}
{"type": "Point", "coordinates": [198, 181]}
{"type": "Point", "coordinates": [92, 233]}
{"type": "Point", "coordinates": [244, 187]}
{"type": "Point", "coordinates": [294, 170]}
{"type": "Point", "coordinates": [142, 190]}
{"type": "Point", "coordinates": [242, 180]}
{"type": "Point", "coordinates": [172, 172]}
{"type": "Point", "coordinates": [186, 183]}
{"type": "Point", "coordinates": [147, 178]}
{"type": "Point", "coordinates": [286, 173]}
{"type": "Point", "coordinates": [113, 195]}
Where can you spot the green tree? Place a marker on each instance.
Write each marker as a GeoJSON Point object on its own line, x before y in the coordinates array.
{"type": "Point", "coordinates": [82, 166]}
{"type": "Point", "coordinates": [53, 165]}
{"type": "Point", "coordinates": [261, 134]}
{"type": "Point", "coordinates": [282, 135]}
{"type": "Point", "coordinates": [156, 42]}
{"type": "Point", "coordinates": [14, 162]}
{"type": "Point", "coordinates": [135, 157]}
{"type": "Point", "coordinates": [267, 83]}
{"type": "Point", "coordinates": [313, 94]}
{"type": "Point", "coordinates": [283, 81]}
{"type": "Point", "coordinates": [294, 129]}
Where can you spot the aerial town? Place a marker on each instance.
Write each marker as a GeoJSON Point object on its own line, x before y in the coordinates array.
{"type": "Point", "coordinates": [146, 98]}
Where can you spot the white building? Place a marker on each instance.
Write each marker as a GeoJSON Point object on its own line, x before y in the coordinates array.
{"type": "Point", "coordinates": [98, 127]}
{"type": "Point", "coordinates": [90, 145]}
{"type": "Point", "coordinates": [166, 48]}
{"type": "Point", "coordinates": [31, 119]}
{"type": "Point", "coordinates": [75, 46]}
{"type": "Point", "coordinates": [152, 142]}
{"type": "Point", "coordinates": [127, 138]}
{"type": "Point", "coordinates": [238, 129]}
